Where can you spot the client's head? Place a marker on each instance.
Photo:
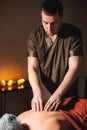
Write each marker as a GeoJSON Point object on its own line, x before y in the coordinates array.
{"type": "Point", "coordinates": [10, 122]}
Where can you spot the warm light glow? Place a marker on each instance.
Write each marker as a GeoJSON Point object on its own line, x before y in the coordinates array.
{"type": "Point", "coordinates": [3, 83]}
{"type": "Point", "coordinates": [20, 81]}
{"type": "Point", "coordinates": [3, 89]}
{"type": "Point", "coordinates": [22, 86]}
{"type": "Point", "coordinates": [9, 88]}
{"type": "Point", "coordinates": [10, 82]}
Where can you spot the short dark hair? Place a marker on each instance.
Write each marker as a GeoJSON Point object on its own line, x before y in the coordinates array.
{"type": "Point", "coordinates": [52, 6]}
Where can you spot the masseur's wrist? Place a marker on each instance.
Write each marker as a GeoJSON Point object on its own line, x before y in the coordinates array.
{"type": "Point", "coordinates": [58, 94]}
{"type": "Point", "coordinates": [59, 97]}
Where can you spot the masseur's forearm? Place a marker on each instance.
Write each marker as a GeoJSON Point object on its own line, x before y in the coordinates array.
{"type": "Point", "coordinates": [71, 75]}
{"type": "Point", "coordinates": [34, 80]}
{"type": "Point", "coordinates": [33, 74]}
{"type": "Point", "coordinates": [69, 78]}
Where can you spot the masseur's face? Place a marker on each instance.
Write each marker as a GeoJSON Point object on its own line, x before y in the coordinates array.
{"type": "Point", "coordinates": [51, 23]}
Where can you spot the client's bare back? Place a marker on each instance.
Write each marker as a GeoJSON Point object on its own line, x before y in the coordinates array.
{"type": "Point", "coordinates": [45, 120]}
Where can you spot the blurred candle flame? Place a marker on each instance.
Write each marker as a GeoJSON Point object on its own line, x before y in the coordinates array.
{"type": "Point", "coordinates": [10, 82]}
{"type": "Point", "coordinates": [3, 82]}
{"type": "Point", "coordinates": [20, 81]}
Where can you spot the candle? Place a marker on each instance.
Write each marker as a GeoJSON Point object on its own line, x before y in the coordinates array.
{"type": "Point", "coordinates": [20, 81]}
{"type": "Point", "coordinates": [10, 82]}
{"type": "Point", "coordinates": [3, 82]}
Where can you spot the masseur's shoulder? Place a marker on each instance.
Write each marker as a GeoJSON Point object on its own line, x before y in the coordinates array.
{"type": "Point", "coordinates": [70, 30]}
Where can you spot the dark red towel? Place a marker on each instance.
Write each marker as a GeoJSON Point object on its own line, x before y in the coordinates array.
{"type": "Point", "coordinates": [75, 110]}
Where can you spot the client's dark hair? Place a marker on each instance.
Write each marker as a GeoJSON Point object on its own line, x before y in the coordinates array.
{"type": "Point", "coordinates": [51, 7]}
{"type": "Point", "coordinates": [10, 122]}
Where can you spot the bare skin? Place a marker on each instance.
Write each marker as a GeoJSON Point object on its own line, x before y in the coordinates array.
{"type": "Point", "coordinates": [44, 120]}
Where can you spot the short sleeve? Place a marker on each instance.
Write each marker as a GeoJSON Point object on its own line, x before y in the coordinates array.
{"type": "Point", "coordinates": [76, 48]}
{"type": "Point", "coordinates": [31, 45]}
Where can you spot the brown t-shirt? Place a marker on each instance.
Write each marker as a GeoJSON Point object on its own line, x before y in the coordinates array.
{"type": "Point", "coordinates": [53, 57]}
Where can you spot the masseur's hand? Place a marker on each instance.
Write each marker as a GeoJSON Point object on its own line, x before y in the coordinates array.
{"type": "Point", "coordinates": [37, 103]}
{"type": "Point", "coordinates": [53, 103]}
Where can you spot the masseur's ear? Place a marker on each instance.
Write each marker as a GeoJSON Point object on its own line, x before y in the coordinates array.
{"type": "Point", "coordinates": [25, 127]}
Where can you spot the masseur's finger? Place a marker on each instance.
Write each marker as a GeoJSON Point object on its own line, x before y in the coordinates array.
{"type": "Point", "coordinates": [57, 105]}
{"type": "Point", "coordinates": [47, 106]}
{"type": "Point", "coordinates": [37, 105]}
{"type": "Point", "coordinates": [33, 105]}
{"type": "Point", "coordinates": [52, 106]}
